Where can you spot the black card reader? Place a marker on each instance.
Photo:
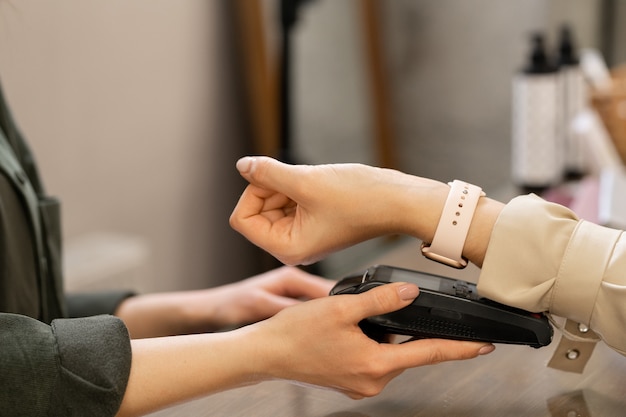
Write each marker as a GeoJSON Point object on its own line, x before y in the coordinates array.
{"type": "Point", "coordinates": [446, 308]}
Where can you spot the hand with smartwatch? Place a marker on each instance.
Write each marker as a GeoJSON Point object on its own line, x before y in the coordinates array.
{"type": "Point", "coordinates": [300, 213]}
{"type": "Point", "coordinates": [534, 255]}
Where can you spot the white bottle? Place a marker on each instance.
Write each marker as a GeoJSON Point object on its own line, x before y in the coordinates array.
{"type": "Point", "coordinates": [573, 97]}
{"type": "Point", "coordinates": [537, 152]}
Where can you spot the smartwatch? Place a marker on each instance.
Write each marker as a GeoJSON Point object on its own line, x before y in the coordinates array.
{"type": "Point", "coordinates": [455, 221]}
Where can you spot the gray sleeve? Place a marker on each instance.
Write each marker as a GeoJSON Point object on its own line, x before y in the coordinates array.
{"type": "Point", "coordinates": [93, 304]}
{"type": "Point", "coordinates": [75, 367]}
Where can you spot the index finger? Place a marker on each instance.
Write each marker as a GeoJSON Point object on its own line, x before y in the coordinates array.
{"type": "Point", "coordinates": [260, 201]}
{"type": "Point", "coordinates": [432, 351]}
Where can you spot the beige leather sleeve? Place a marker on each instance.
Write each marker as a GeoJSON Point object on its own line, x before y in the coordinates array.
{"type": "Point", "coordinates": [541, 257]}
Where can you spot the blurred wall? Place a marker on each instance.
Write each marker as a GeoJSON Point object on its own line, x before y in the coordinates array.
{"type": "Point", "coordinates": [132, 109]}
{"type": "Point", "coordinates": [450, 65]}
{"type": "Point", "coordinates": [135, 113]}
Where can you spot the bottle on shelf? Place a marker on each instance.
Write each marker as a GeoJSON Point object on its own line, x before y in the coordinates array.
{"type": "Point", "coordinates": [537, 152]}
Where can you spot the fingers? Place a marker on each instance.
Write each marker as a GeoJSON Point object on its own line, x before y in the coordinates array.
{"type": "Point", "coordinates": [432, 351]}
{"type": "Point", "coordinates": [257, 206]}
{"type": "Point", "coordinates": [308, 288]}
{"type": "Point", "coordinates": [300, 284]}
{"type": "Point", "coordinates": [384, 299]}
{"type": "Point", "coordinates": [392, 297]}
{"type": "Point", "coordinates": [275, 303]}
{"type": "Point", "coordinates": [267, 173]}
{"type": "Point", "coordinates": [265, 212]}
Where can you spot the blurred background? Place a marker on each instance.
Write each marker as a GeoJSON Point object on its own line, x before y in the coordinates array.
{"type": "Point", "coordinates": [137, 111]}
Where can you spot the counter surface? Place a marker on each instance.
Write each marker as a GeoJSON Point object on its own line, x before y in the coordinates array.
{"type": "Point", "coordinates": [512, 381]}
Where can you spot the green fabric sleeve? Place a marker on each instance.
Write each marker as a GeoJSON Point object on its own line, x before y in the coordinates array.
{"type": "Point", "coordinates": [75, 367]}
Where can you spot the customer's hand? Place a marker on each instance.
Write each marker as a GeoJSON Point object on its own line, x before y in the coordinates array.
{"type": "Point", "coordinates": [320, 343]}
{"type": "Point", "coordinates": [300, 213]}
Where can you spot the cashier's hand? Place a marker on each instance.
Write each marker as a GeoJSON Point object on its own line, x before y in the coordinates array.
{"type": "Point", "coordinates": [300, 213]}
{"type": "Point", "coordinates": [320, 343]}
{"type": "Point", "coordinates": [243, 302]}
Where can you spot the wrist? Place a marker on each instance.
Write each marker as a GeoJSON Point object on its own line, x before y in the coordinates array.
{"type": "Point", "coordinates": [163, 314]}
{"type": "Point", "coordinates": [271, 351]}
{"type": "Point", "coordinates": [418, 207]}
{"type": "Point", "coordinates": [205, 310]}
{"type": "Point", "coordinates": [479, 234]}
{"type": "Point", "coordinates": [456, 218]}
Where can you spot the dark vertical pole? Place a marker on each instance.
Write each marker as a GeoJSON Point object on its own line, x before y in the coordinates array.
{"type": "Point", "coordinates": [607, 30]}
{"type": "Point", "coordinates": [288, 19]}
{"type": "Point", "coordinates": [379, 83]}
{"type": "Point", "coordinates": [288, 10]}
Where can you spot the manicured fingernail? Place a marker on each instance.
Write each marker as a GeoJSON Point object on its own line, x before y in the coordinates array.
{"type": "Point", "coordinates": [245, 164]}
{"type": "Point", "coordinates": [486, 349]}
{"type": "Point", "coordinates": [408, 292]}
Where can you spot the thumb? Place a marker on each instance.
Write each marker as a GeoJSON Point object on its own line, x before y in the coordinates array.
{"type": "Point", "coordinates": [266, 172]}
{"type": "Point", "coordinates": [386, 298]}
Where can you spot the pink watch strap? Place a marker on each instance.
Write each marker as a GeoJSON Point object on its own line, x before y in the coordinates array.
{"type": "Point", "coordinates": [455, 221]}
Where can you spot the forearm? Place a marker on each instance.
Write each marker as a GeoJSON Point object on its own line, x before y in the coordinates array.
{"type": "Point", "coordinates": [166, 314]}
{"type": "Point", "coordinates": [170, 370]}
